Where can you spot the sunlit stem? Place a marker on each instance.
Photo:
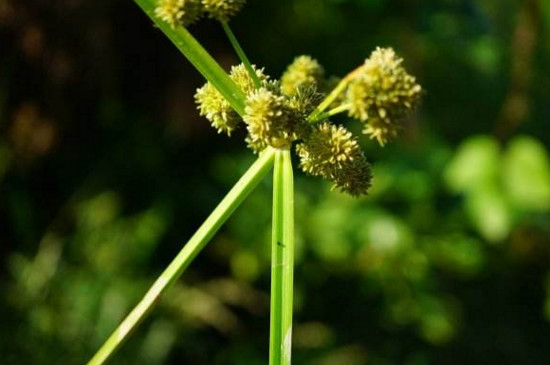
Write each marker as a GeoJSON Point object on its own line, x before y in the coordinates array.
{"type": "Point", "coordinates": [334, 111]}
{"type": "Point", "coordinates": [282, 260]}
{"type": "Point", "coordinates": [206, 231]}
{"type": "Point", "coordinates": [242, 56]}
{"type": "Point", "coordinates": [333, 96]}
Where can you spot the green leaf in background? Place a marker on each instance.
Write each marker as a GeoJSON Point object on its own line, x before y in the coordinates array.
{"type": "Point", "coordinates": [475, 164]}
{"type": "Point", "coordinates": [460, 254]}
{"type": "Point", "coordinates": [526, 174]}
{"type": "Point", "coordinates": [489, 212]}
{"type": "Point", "coordinates": [484, 55]}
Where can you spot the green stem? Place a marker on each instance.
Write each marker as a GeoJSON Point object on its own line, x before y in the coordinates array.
{"type": "Point", "coordinates": [334, 94]}
{"type": "Point", "coordinates": [242, 56]}
{"type": "Point", "coordinates": [199, 57]}
{"type": "Point", "coordinates": [282, 260]}
{"type": "Point", "coordinates": [197, 242]}
{"type": "Point", "coordinates": [339, 109]}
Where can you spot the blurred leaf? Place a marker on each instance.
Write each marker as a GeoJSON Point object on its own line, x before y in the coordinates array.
{"type": "Point", "coordinates": [526, 173]}
{"type": "Point", "coordinates": [459, 254]}
{"type": "Point", "coordinates": [245, 265]}
{"type": "Point", "coordinates": [490, 213]}
{"type": "Point", "coordinates": [484, 53]}
{"type": "Point", "coordinates": [475, 164]}
{"type": "Point", "coordinates": [437, 322]}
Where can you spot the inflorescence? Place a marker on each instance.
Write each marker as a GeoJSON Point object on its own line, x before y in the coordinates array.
{"type": "Point", "coordinates": [187, 12]}
{"type": "Point", "coordinates": [380, 94]}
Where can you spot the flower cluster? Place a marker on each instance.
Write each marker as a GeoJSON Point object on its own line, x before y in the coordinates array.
{"type": "Point", "coordinates": [303, 71]}
{"type": "Point", "coordinates": [379, 93]}
{"type": "Point", "coordinates": [382, 94]}
{"type": "Point", "coordinates": [333, 153]}
{"type": "Point", "coordinates": [186, 12]}
{"type": "Point", "coordinates": [216, 109]}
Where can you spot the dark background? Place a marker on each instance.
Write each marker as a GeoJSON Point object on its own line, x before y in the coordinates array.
{"type": "Point", "coordinates": [106, 170]}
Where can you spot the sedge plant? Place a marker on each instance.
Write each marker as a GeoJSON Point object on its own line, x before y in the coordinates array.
{"type": "Point", "coordinates": [279, 115]}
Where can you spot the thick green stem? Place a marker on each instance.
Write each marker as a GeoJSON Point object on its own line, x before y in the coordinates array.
{"type": "Point", "coordinates": [282, 260]}
{"type": "Point", "coordinates": [210, 226]}
{"type": "Point", "coordinates": [242, 56]}
{"type": "Point", "coordinates": [199, 57]}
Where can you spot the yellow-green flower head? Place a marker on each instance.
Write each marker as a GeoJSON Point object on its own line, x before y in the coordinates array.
{"type": "Point", "coordinates": [305, 99]}
{"type": "Point", "coordinates": [256, 145]}
{"type": "Point", "coordinates": [216, 109]}
{"type": "Point", "coordinates": [178, 12]}
{"type": "Point", "coordinates": [333, 153]}
{"type": "Point", "coordinates": [239, 74]}
{"type": "Point", "coordinates": [382, 94]}
{"type": "Point", "coordinates": [222, 10]}
{"type": "Point", "coordinates": [303, 71]}
{"type": "Point", "coordinates": [355, 177]}
{"type": "Point", "coordinates": [269, 120]}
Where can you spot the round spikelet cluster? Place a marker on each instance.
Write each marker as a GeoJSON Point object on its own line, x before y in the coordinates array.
{"type": "Point", "coordinates": [379, 93]}
{"type": "Point", "coordinates": [269, 120]}
{"type": "Point", "coordinates": [304, 100]}
{"type": "Point", "coordinates": [186, 12]}
{"type": "Point", "coordinates": [222, 10]}
{"type": "Point", "coordinates": [303, 71]}
{"type": "Point", "coordinates": [216, 109]}
{"type": "Point", "coordinates": [333, 153]}
{"type": "Point", "coordinates": [382, 94]}
{"type": "Point", "coordinates": [272, 118]}
{"type": "Point", "coordinates": [176, 12]}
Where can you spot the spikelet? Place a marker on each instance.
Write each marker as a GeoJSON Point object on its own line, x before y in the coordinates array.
{"type": "Point", "coordinates": [303, 71]}
{"type": "Point", "coordinates": [382, 94]}
{"type": "Point", "coordinates": [333, 153]}
{"type": "Point", "coordinates": [269, 119]}
{"type": "Point", "coordinates": [239, 74]}
{"type": "Point", "coordinates": [304, 100]}
{"type": "Point", "coordinates": [178, 12]}
{"type": "Point", "coordinates": [216, 109]}
{"type": "Point", "coordinates": [222, 10]}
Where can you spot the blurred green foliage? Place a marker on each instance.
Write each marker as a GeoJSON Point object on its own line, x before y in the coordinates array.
{"type": "Point", "coordinates": [106, 169]}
